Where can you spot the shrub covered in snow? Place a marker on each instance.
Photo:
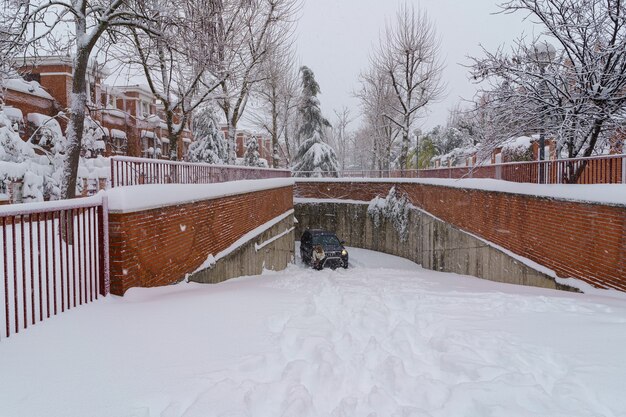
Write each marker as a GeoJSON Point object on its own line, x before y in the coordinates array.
{"type": "Point", "coordinates": [12, 147]}
{"type": "Point", "coordinates": [251, 157]}
{"type": "Point", "coordinates": [518, 149]}
{"type": "Point", "coordinates": [92, 138]}
{"type": "Point", "coordinates": [209, 144]}
{"type": "Point", "coordinates": [47, 133]}
{"type": "Point", "coordinates": [41, 173]}
{"type": "Point", "coordinates": [394, 208]}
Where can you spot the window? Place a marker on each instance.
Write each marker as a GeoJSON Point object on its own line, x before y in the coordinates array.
{"type": "Point", "coordinates": [32, 77]}
{"type": "Point", "coordinates": [145, 109]}
{"type": "Point", "coordinates": [111, 101]}
{"type": "Point", "coordinates": [91, 93]}
{"type": "Point", "coordinates": [326, 240]}
{"type": "Point", "coordinates": [119, 143]}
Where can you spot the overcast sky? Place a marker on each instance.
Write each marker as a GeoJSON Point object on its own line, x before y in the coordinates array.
{"type": "Point", "coordinates": [335, 38]}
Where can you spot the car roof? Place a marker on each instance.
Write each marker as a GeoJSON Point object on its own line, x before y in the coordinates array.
{"type": "Point", "coordinates": [321, 232]}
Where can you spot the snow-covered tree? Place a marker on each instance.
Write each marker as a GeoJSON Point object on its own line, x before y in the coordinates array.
{"type": "Point", "coordinates": [209, 143]}
{"type": "Point", "coordinates": [342, 139]}
{"type": "Point", "coordinates": [40, 175]}
{"type": "Point", "coordinates": [277, 99]}
{"type": "Point", "coordinates": [314, 158]}
{"type": "Point", "coordinates": [12, 147]}
{"type": "Point", "coordinates": [74, 27]}
{"type": "Point", "coordinates": [379, 134]}
{"type": "Point", "coordinates": [569, 83]}
{"type": "Point", "coordinates": [251, 156]}
{"type": "Point", "coordinates": [408, 56]}
{"type": "Point", "coordinates": [394, 208]}
{"type": "Point", "coordinates": [92, 138]}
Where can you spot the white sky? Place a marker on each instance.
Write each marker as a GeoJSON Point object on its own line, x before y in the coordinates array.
{"type": "Point", "coordinates": [335, 38]}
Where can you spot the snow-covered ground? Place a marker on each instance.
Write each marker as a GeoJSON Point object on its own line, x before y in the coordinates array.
{"type": "Point", "coordinates": [382, 338]}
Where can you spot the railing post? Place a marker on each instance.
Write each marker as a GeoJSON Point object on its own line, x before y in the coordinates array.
{"type": "Point", "coordinates": [623, 169]}
{"type": "Point", "coordinates": [112, 171]}
{"type": "Point", "coordinates": [103, 239]}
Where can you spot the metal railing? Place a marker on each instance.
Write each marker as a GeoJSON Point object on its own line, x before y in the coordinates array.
{"type": "Point", "coordinates": [609, 169]}
{"type": "Point", "coordinates": [54, 257]}
{"type": "Point", "coordinates": [134, 171]}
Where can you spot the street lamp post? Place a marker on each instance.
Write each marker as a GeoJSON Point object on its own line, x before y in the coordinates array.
{"type": "Point", "coordinates": [544, 54]}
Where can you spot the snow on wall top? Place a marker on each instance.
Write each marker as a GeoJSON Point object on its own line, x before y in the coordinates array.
{"type": "Point", "coordinates": [43, 206]}
{"type": "Point", "coordinates": [151, 196]}
{"type": "Point", "coordinates": [27, 87]}
{"type": "Point", "coordinates": [612, 194]}
{"type": "Point", "coordinates": [519, 142]}
{"type": "Point", "coordinates": [40, 120]}
{"type": "Point", "coordinates": [115, 133]}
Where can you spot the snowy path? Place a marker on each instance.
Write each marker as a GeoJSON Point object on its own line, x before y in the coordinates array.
{"type": "Point", "coordinates": [383, 338]}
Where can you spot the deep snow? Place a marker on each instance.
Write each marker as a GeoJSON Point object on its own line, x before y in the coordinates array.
{"type": "Point", "coordinates": [383, 338]}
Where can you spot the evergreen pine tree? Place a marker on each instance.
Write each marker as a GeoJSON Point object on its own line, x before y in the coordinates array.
{"type": "Point", "coordinates": [251, 157]}
{"type": "Point", "coordinates": [209, 144]}
{"type": "Point", "coordinates": [314, 158]}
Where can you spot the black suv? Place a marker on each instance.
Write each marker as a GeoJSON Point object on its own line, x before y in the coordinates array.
{"type": "Point", "coordinates": [334, 254]}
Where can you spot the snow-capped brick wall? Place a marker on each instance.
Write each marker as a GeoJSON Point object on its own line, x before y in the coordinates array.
{"type": "Point", "coordinates": [160, 245]}
{"type": "Point", "coordinates": [576, 239]}
{"type": "Point", "coordinates": [19, 95]}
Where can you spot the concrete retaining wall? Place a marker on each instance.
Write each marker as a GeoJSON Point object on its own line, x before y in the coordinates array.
{"type": "Point", "coordinates": [575, 239]}
{"type": "Point", "coordinates": [276, 253]}
{"type": "Point", "coordinates": [434, 244]}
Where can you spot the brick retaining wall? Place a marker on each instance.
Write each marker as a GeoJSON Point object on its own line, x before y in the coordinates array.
{"type": "Point", "coordinates": [580, 240]}
{"type": "Point", "coordinates": [159, 246]}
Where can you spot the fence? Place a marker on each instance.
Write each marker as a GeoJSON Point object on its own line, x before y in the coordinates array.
{"type": "Point", "coordinates": [609, 169]}
{"type": "Point", "coordinates": [133, 171]}
{"type": "Point", "coordinates": [54, 257]}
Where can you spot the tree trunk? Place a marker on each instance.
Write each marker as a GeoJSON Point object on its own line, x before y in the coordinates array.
{"type": "Point", "coordinates": [232, 141]}
{"type": "Point", "coordinates": [404, 151]}
{"type": "Point", "coordinates": [74, 133]}
{"type": "Point", "coordinates": [593, 138]}
{"type": "Point", "coordinates": [275, 157]}
{"type": "Point", "coordinates": [173, 136]}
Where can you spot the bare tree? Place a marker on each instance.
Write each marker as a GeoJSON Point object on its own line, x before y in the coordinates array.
{"type": "Point", "coordinates": [408, 55]}
{"type": "Point", "coordinates": [177, 58]}
{"type": "Point", "coordinates": [75, 27]}
{"type": "Point", "coordinates": [575, 90]}
{"type": "Point", "coordinates": [259, 27]}
{"type": "Point", "coordinates": [277, 95]}
{"type": "Point", "coordinates": [341, 137]}
{"type": "Point", "coordinates": [377, 99]}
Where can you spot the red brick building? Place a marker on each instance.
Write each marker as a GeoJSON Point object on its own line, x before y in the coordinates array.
{"type": "Point", "coordinates": [265, 144]}
{"type": "Point", "coordinates": [130, 117]}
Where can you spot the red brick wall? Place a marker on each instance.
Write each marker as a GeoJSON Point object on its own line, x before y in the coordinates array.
{"type": "Point", "coordinates": [158, 247]}
{"type": "Point", "coordinates": [59, 86]}
{"type": "Point", "coordinates": [584, 241]}
{"type": "Point", "coordinates": [29, 103]}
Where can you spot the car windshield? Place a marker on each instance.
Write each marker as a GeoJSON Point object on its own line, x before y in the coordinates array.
{"type": "Point", "coordinates": [326, 240]}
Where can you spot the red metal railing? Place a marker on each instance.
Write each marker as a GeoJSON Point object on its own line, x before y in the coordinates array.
{"type": "Point", "coordinates": [610, 169]}
{"type": "Point", "coordinates": [54, 257]}
{"type": "Point", "coordinates": [134, 171]}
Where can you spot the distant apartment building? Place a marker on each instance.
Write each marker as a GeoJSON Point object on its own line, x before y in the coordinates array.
{"type": "Point", "coordinates": [130, 118]}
